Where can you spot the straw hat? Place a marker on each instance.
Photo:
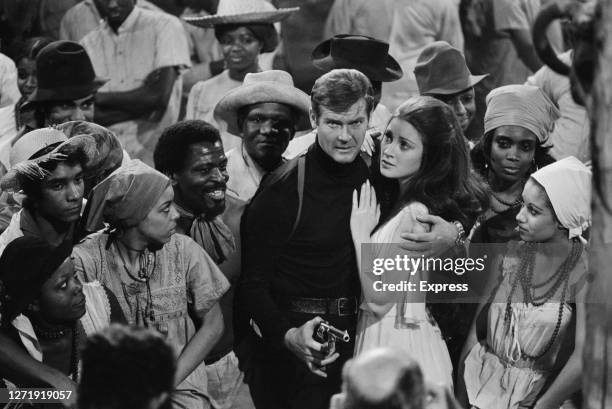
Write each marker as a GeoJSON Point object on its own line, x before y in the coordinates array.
{"type": "Point", "coordinates": [267, 86]}
{"type": "Point", "coordinates": [40, 146]}
{"type": "Point", "coordinates": [33, 142]}
{"type": "Point", "coordinates": [242, 12]}
{"type": "Point", "coordinates": [441, 69]}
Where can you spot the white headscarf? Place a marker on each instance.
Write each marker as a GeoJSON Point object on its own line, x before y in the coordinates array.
{"type": "Point", "coordinates": [568, 185]}
{"type": "Point", "coordinates": [521, 105]}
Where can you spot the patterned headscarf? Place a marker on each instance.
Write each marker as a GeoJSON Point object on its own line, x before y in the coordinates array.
{"type": "Point", "coordinates": [568, 185]}
{"type": "Point", "coordinates": [126, 197]}
{"type": "Point", "coordinates": [108, 153]}
{"type": "Point", "coordinates": [521, 105]}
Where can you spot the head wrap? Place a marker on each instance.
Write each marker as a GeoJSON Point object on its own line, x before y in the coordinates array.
{"type": "Point", "coordinates": [126, 197]}
{"type": "Point", "coordinates": [521, 105]}
{"type": "Point", "coordinates": [108, 153]}
{"type": "Point", "coordinates": [568, 185]}
{"type": "Point", "coordinates": [25, 265]}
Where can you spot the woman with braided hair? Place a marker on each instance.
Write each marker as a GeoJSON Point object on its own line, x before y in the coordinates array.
{"type": "Point", "coordinates": [533, 323]}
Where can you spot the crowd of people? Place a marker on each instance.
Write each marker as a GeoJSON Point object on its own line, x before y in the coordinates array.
{"type": "Point", "coordinates": [184, 223]}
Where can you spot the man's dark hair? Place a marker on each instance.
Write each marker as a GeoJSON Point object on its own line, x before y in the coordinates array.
{"type": "Point", "coordinates": [32, 186]}
{"type": "Point", "coordinates": [124, 367]}
{"type": "Point", "coordinates": [174, 143]}
{"type": "Point", "coordinates": [409, 393]}
{"type": "Point", "coordinates": [339, 89]}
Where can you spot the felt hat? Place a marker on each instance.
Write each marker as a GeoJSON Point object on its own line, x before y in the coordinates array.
{"type": "Point", "coordinates": [267, 86]}
{"type": "Point", "coordinates": [363, 53]}
{"type": "Point", "coordinates": [25, 265]}
{"type": "Point", "coordinates": [242, 12]}
{"type": "Point", "coordinates": [441, 69]}
{"type": "Point", "coordinates": [64, 72]}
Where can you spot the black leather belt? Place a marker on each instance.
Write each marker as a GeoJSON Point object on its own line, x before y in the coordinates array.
{"type": "Point", "coordinates": [326, 306]}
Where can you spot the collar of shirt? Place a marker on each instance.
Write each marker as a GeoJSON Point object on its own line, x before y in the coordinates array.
{"type": "Point", "coordinates": [128, 24]}
{"type": "Point", "coordinates": [28, 224]}
{"type": "Point", "coordinates": [93, 8]}
{"type": "Point", "coordinates": [245, 174]}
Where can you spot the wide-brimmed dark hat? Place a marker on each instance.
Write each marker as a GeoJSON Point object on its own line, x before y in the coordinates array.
{"type": "Point", "coordinates": [25, 265]}
{"type": "Point", "coordinates": [363, 53]}
{"type": "Point", "coordinates": [441, 69]}
{"type": "Point", "coordinates": [64, 72]}
{"type": "Point", "coordinates": [260, 87]}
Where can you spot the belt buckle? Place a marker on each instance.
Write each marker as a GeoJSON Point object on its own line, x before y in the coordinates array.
{"type": "Point", "coordinates": [341, 304]}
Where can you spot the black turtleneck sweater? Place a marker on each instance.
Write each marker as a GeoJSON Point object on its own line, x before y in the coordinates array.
{"type": "Point", "coordinates": [318, 260]}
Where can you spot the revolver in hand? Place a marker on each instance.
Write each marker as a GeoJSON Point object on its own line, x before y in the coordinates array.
{"type": "Point", "coordinates": [327, 333]}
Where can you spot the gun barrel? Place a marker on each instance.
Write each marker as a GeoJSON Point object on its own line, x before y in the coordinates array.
{"type": "Point", "coordinates": [343, 335]}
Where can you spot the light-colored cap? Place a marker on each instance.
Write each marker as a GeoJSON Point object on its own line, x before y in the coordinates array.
{"type": "Point", "coordinates": [35, 141]}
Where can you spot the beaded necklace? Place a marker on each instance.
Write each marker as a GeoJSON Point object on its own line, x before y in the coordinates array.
{"type": "Point", "coordinates": [146, 259]}
{"type": "Point", "coordinates": [525, 277]}
{"type": "Point", "coordinates": [58, 334]}
{"type": "Point", "coordinates": [518, 200]}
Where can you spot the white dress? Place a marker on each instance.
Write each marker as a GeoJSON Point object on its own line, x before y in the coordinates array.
{"type": "Point", "coordinates": [406, 326]}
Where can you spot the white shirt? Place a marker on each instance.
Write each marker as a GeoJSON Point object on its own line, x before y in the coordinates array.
{"type": "Point", "coordinates": [9, 92]}
{"type": "Point", "coordinates": [570, 137]}
{"type": "Point", "coordinates": [147, 40]}
{"type": "Point", "coordinates": [203, 97]}
{"type": "Point", "coordinates": [417, 23]}
{"type": "Point", "coordinates": [244, 174]}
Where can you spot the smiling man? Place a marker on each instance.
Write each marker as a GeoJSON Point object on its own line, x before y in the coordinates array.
{"type": "Point", "coordinates": [191, 154]}
{"type": "Point", "coordinates": [266, 111]}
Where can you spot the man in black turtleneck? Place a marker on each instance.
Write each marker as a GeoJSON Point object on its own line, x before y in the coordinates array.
{"type": "Point", "coordinates": [294, 274]}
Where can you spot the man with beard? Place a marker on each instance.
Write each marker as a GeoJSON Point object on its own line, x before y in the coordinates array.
{"type": "Point", "coordinates": [191, 154]}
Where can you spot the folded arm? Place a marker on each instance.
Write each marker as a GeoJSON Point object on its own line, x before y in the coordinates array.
{"type": "Point", "coordinates": [149, 100]}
